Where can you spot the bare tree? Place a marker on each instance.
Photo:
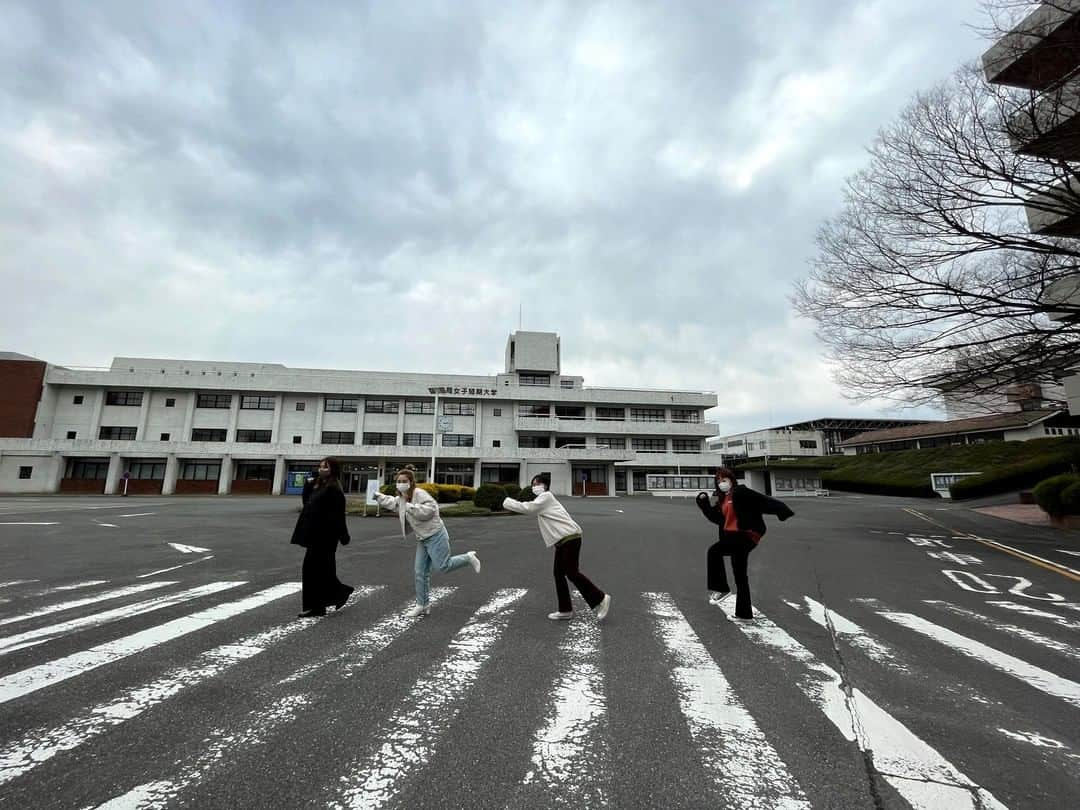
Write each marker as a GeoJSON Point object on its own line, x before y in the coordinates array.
{"type": "Point", "coordinates": [931, 272]}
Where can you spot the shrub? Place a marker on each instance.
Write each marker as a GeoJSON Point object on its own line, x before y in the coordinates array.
{"type": "Point", "coordinates": [1015, 476]}
{"type": "Point", "coordinates": [468, 493]}
{"type": "Point", "coordinates": [489, 496]}
{"type": "Point", "coordinates": [526, 494]}
{"type": "Point", "coordinates": [388, 489]}
{"type": "Point", "coordinates": [1059, 495]}
{"type": "Point", "coordinates": [876, 485]}
{"type": "Point", "coordinates": [512, 491]}
{"type": "Point", "coordinates": [448, 493]}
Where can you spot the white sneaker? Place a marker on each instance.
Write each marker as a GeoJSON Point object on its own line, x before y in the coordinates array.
{"type": "Point", "coordinates": [474, 561]}
{"type": "Point", "coordinates": [603, 608]}
{"type": "Point", "coordinates": [418, 610]}
{"type": "Point", "coordinates": [559, 615]}
{"type": "Point", "coordinates": [717, 597]}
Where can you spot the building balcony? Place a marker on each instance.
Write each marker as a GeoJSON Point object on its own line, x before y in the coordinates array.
{"type": "Point", "coordinates": [1056, 211]}
{"type": "Point", "coordinates": [1040, 51]}
{"type": "Point", "coordinates": [592, 427]}
{"type": "Point", "coordinates": [672, 460]}
{"type": "Point", "coordinates": [1051, 127]}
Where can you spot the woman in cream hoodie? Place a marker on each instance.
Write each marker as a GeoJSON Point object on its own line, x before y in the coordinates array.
{"type": "Point", "coordinates": [560, 530]}
{"type": "Point", "coordinates": [420, 511]}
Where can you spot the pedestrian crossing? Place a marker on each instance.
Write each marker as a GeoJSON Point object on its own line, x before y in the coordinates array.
{"type": "Point", "coordinates": [154, 651]}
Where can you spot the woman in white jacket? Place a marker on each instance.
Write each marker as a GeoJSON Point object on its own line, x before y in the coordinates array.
{"type": "Point", "coordinates": [420, 511]}
{"type": "Point", "coordinates": [560, 530]}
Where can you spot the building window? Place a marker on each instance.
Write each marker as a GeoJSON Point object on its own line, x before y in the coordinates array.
{"type": "Point", "coordinates": [457, 440]}
{"type": "Point", "coordinates": [459, 408]}
{"type": "Point", "coordinates": [25, 473]}
{"type": "Point", "coordinates": [647, 415]}
{"type": "Point", "coordinates": [808, 444]}
{"type": "Point", "coordinates": [200, 471]}
{"type": "Point", "coordinates": [133, 398]}
{"type": "Point", "coordinates": [566, 383]}
{"type": "Point", "coordinates": [253, 436]}
{"type": "Point", "coordinates": [165, 436]}
{"type": "Point", "coordinates": [301, 406]}
{"type": "Point", "coordinates": [496, 443]}
{"type": "Point", "coordinates": [378, 439]}
{"type": "Point", "coordinates": [570, 441]}
{"type": "Point", "coordinates": [496, 411]}
{"type": "Point", "coordinates": [338, 437]}
{"type": "Point", "coordinates": [253, 402]}
{"type": "Point", "coordinates": [381, 405]}
{"type": "Point", "coordinates": [569, 411]}
{"type": "Point", "coordinates": [296, 439]}
{"type": "Point", "coordinates": [611, 414]}
{"type": "Point", "coordinates": [420, 406]}
{"type": "Point", "coordinates": [71, 434]}
{"type": "Point", "coordinates": [686, 445]}
{"type": "Point", "coordinates": [417, 440]}
{"type": "Point", "coordinates": [685, 415]}
{"type": "Point", "coordinates": [89, 470]}
{"type": "Point", "coordinates": [459, 474]}
{"type": "Point", "coordinates": [534, 441]}
{"type": "Point", "coordinates": [117, 433]}
{"type": "Point", "coordinates": [147, 470]}
{"type": "Point", "coordinates": [535, 379]}
{"type": "Point", "coordinates": [208, 434]}
{"type": "Point", "coordinates": [340, 405]}
{"type": "Point", "coordinates": [611, 442]}
{"type": "Point", "coordinates": [650, 445]}
{"type": "Point", "coordinates": [534, 410]}
{"type": "Point", "coordinates": [213, 401]}
{"type": "Point", "coordinates": [77, 399]}
{"type": "Point", "coordinates": [254, 471]}
{"type": "Point", "coordinates": [170, 402]}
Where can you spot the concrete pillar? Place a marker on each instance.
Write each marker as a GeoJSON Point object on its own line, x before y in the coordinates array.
{"type": "Point", "coordinates": [46, 411]}
{"type": "Point", "coordinates": [225, 481]}
{"type": "Point", "coordinates": [279, 476]}
{"type": "Point", "coordinates": [95, 416]}
{"type": "Point", "coordinates": [189, 416]}
{"type": "Point", "coordinates": [523, 474]}
{"type": "Point", "coordinates": [53, 484]}
{"type": "Point", "coordinates": [476, 473]}
{"type": "Point", "coordinates": [172, 470]}
{"type": "Point", "coordinates": [629, 480]}
{"type": "Point", "coordinates": [144, 416]}
{"type": "Point", "coordinates": [279, 405]}
{"type": "Point", "coordinates": [234, 417]}
{"type": "Point", "coordinates": [319, 406]}
{"type": "Point", "coordinates": [401, 428]}
{"type": "Point", "coordinates": [478, 428]}
{"type": "Point", "coordinates": [611, 479]}
{"type": "Point", "coordinates": [112, 477]}
{"type": "Point", "coordinates": [359, 438]}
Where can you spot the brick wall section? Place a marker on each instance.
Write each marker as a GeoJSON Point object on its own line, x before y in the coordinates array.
{"type": "Point", "coordinates": [20, 390]}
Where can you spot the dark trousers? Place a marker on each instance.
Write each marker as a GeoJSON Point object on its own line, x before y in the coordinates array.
{"type": "Point", "coordinates": [566, 568]}
{"type": "Point", "coordinates": [737, 546]}
{"type": "Point", "coordinates": [321, 587]}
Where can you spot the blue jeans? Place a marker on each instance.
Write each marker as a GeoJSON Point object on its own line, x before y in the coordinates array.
{"type": "Point", "coordinates": [434, 552]}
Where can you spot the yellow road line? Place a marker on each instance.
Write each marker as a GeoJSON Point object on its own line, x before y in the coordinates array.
{"type": "Point", "coordinates": [1049, 565]}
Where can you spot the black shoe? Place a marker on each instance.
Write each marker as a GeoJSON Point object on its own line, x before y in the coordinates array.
{"type": "Point", "coordinates": [309, 614]}
{"type": "Point", "coordinates": [341, 604]}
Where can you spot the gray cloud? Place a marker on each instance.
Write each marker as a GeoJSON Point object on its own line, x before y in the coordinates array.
{"type": "Point", "coordinates": [381, 185]}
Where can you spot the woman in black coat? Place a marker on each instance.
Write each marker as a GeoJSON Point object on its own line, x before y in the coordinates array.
{"type": "Point", "coordinates": [319, 529]}
{"type": "Point", "coordinates": [738, 511]}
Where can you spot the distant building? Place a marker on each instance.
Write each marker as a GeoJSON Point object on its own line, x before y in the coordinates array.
{"type": "Point", "coordinates": [814, 437]}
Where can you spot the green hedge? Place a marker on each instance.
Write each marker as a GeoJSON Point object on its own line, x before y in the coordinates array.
{"type": "Point", "coordinates": [876, 485]}
{"type": "Point", "coordinates": [1021, 475]}
{"type": "Point", "coordinates": [443, 493]}
{"type": "Point", "coordinates": [1059, 495]}
{"type": "Point", "coordinates": [490, 496]}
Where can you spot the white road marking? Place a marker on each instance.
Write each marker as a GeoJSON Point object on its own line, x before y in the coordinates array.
{"type": "Point", "coordinates": [1035, 738]}
{"type": "Point", "coordinates": [174, 567]}
{"type": "Point", "coordinates": [851, 633]}
{"type": "Point", "coordinates": [1030, 674]}
{"type": "Point", "coordinates": [924, 778]}
{"type": "Point", "coordinates": [569, 756]}
{"type": "Point", "coordinates": [746, 769]}
{"type": "Point", "coordinates": [12, 582]}
{"type": "Point", "coordinates": [76, 586]}
{"type": "Point", "coordinates": [40, 635]}
{"type": "Point", "coordinates": [1000, 545]}
{"type": "Point", "coordinates": [139, 514]}
{"type": "Point", "coordinates": [185, 549]}
{"type": "Point", "coordinates": [107, 525]}
{"type": "Point", "coordinates": [118, 593]}
{"type": "Point", "coordinates": [411, 733]}
{"type": "Point", "coordinates": [31, 523]}
{"type": "Point", "coordinates": [1068, 551]}
{"type": "Point", "coordinates": [1021, 632]}
{"type": "Point", "coordinates": [1028, 610]}
{"type": "Point", "coordinates": [27, 681]}
{"type": "Point", "coordinates": [41, 745]}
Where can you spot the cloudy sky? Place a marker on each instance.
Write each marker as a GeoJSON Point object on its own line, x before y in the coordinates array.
{"type": "Point", "coordinates": [383, 185]}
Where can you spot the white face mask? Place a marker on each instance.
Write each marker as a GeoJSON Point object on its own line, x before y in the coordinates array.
{"type": "Point", "coordinates": [403, 487]}
{"type": "Point", "coordinates": [725, 486]}
{"type": "Point", "coordinates": [539, 489]}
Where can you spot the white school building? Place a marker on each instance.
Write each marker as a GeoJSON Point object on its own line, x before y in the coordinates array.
{"type": "Point", "coordinates": [185, 426]}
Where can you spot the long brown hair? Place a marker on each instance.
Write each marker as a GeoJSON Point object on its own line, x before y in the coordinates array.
{"type": "Point", "coordinates": [335, 474]}
{"type": "Point", "coordinates": [409, 472]}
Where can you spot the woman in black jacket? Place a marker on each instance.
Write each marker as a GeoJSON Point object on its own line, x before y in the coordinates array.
{"type": "Point", "coordinates": [319, 529]}
{"type": "Point", "coordinates": [738, 511]}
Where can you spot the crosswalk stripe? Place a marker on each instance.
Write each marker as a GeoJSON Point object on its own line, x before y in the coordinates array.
{"type": "Point", "coordinates": [850, 632]}
{"type": "Point", "coordinates": [568, 755]}
{"type": "Point", "coordinates": [265, 721]}
{"type": "Point", "coordinates": [925, 779]}
{"type": "Point", "coordinates": [12, 582]}
{"type": "Point", "coordinates": [433, 703]}
{"type": "Point", "coordinates": [117, 593]}
{"type": "Point", "coordinates": [41, 745]}
{"type": "Point", "coordinates": [1035, 676]}
{"type": "Point", "coordinates": [742, 763]}
{"type": "Point", "coordinates": [74, 586]}
{"type": "Point", "coordinates": [1028, 610]}
{"type": "Point", "coordinates": [174, 567]}
{"type": "Point", "coordinates": [40, 635]}
{"type": "Point", "coordinates": [31, 680]}
{"type": "Point", "coordinates": [1021, 632]}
